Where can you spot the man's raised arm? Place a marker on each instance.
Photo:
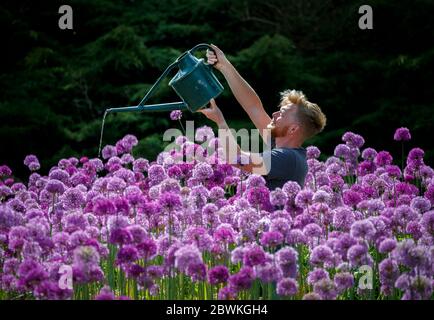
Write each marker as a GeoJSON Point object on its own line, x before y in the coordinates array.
{"type": "Point", "coordinates": [242, 91]}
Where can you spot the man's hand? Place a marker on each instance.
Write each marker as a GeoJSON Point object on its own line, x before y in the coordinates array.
{"type": "Point", "coordinates": [214, 113]}
{"type": "Point", "coordinates": [217, 58]}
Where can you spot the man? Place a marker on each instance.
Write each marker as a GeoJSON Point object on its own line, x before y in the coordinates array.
{"type": "Point", "coordinates": [296, 121]}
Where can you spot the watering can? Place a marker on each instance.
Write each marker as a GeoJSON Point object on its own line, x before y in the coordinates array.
{"type": "Point", "coordinates": [194, 83]}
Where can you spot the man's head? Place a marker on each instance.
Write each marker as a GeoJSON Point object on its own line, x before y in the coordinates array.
{"type": "Point", "coordinates": [297, 117]}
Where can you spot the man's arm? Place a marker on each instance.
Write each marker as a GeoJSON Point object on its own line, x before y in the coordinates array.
{"type": "Point", "coordinates": [242, 91]}
{"type": "Point", "coordinates": [250, 162]}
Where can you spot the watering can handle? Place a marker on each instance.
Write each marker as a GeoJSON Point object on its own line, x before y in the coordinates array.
{"type": "Point", "coordinates": [202, 46]}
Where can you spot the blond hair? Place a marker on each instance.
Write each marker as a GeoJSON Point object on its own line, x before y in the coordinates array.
{"type": "Point", "coordinates": [309, 114]}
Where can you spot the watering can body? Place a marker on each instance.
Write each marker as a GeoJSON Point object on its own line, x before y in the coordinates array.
{"type": "Point", "coordinates": [194, 83]}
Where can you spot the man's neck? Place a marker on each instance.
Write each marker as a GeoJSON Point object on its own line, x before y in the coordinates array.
{"type": "Point", "coordinates": [288, 142]}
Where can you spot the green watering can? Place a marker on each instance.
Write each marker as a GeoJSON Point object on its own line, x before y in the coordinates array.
{"type": "Point", "coordinates": [194, 83]}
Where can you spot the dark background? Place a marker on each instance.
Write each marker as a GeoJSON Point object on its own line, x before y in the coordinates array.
{"type": "Point", "coordinates": [55, 84]}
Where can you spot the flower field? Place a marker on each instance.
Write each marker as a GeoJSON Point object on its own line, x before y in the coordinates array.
{"type": "Point", "coordinates": [188, 226]}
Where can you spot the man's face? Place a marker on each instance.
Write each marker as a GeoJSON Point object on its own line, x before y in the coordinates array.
{"type": "Point", "coordinates": [284, 120]}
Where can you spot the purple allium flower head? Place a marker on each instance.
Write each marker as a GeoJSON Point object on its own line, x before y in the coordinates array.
{"type": "Point", "coordinates": [218, 274]}
{"type": "Point", "coordinates": [312, 152]}
{"type": "Point", "coordinates": [202, 171]}
{"type": "Point", "coordinates": [321, 254]}
{"type": "Point", "coordinates": [105, 294]}
{"type": "Point", "coordinates": [357, 254]}
{"type": "Point", "coordinates": [186, 255]}
{"type": "Point", "coordinates": [176, 115]}
{"type": "Point", "coordinates": [326, 289]}
{"type": "Point", "coordinates": [255, 181]}
{"type": "Point", "coordinates": [312, 296]}
{"type": "Point", "coordinates": [271, 239]}
{"type": "Point", "coordinates": [73, 198]}
{"type": "Point", "coordinates": [291, 188]}
{"type": "Point", "coordinates": [316, 275]}
{"type": "Point", "coordinates": [253, 256]}
{"type": "Point", "coordinates": [86, 256]}
{"type": "Point", "coordinates": [227, 293]}
{"type": "Point", "coordinates": [427, 222]}
{"type": "Point", "coordinates": [127, 254]}
{"type": "Point", "coordinates": [109, 151]}
{"type": "Point", "coordinates": [304, 198]}
{"type": "Point", "coordinates": [420, 204]}
{"type": "Point", "coordinates": [287, 260]}
{"type": "Point", "coordinates": [170, 201]}
{"type": "Point", "coordinates": [387, 245]}
{"type": "Point", "coordinates": [353, 140]}
{"type": "Point", "coordinates": [156, 173]}
{"type": "Point", "coordinates": [243, 279]}
{"type": "Point", "coordinates": [268, 272]}
{"type": "Point", "coordinates": [258, 196]}
{"type": "Point", "coordinates": [278, 197]}
{"type": "Point", "coordinates": [343, 281]}
{"type": "Point", "coordinates": [383, 158]}
{"type": "Point", "coordinates": [369, 154]}
{"type": "Point", "coordinates": [287, 287]}
{"type": "Point", "coordinates": [363, 229]}
{"type": "Point", "coordinates": [343, 218]}
{"type": "Point", "coordinates": [104, 207]}
{"type": "Point", "coordinates": [342, 151]}
{"type": "Point", "coordinates": [296, 236]}
{"type": "Point", "coordinates": [5, 171]}
{"type": "Point", "coordinates": [224, 233]}
{"type": "Point", "coordinates": [402, 134]}
{"type": "Point", "coordinates": [120, 236]}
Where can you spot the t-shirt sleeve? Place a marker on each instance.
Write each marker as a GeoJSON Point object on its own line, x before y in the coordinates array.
{"type": "Point", "coordinates": [279, 163]}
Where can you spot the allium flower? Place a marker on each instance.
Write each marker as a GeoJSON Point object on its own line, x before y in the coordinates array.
{"type": "Point", "coordinates": [73, 198]}
{"type": "Point", "coordinates": [287, 287]}
{"type": "Point", "coordinates": [369, 154]}
{"type": "Point", "coordinates": [402, 134]}
{"type": "Point", "coordinates": [176, 115]}
{"type": "Point", "coordinates": [311, 296]}
{"type": "Point", "coordinates": [353, 140]}
{"type": "Point", "coordinates": [109, 151]}
{"type": "Point", "coordinates": [224, 233]}
{"type": "Point", "coordinates": [254, 256]}
{"type": "Point", "coordinates": [105, 294]}
{"type": "Point", "coordinates": [304, 198]}
{"type": "Point", "coordinates": [243, 279]}
{"type": "Point", "coordinates": [104, 207]}
{"type": "Point", "coordinates": [342, 151]}
{"type": "Point", "coordinates": [186, 255]}
{"type": "Point", "coordinates": [127, 254]}
{"type": "Point", "coordinates": [287, 260]}
{"type": "Point", "coordinates": [363, 229]}
{"type": "Point", "coordinates": [383, 158]}
{"type": "Point", "coordinates": [278, 197]}
{"type": "Point", "coordinates": [316, 275]}
{"type": "Point", "coordinates": [326, 289]}
{"type": "Point", "coordinates": [321, 254]}
{"type": "Point", "coordinates": [312, 152]}
{"type": "Point", "coordinates": [343, 281]}
{"type": "Point", "coordinates": [343, 218]}
{"type": "Point", "coordinates": [218, 274]}
{"type": "Point", "coordinates": [202, 171]}
{"type": "Point", "coordinates": [387, 245]}
{"type": "Point", "coordinates": [170, 201]}
{"type": "Point", "coordinates": [227, 293]}
{"type": "Point", "coordinates": [271, 239]}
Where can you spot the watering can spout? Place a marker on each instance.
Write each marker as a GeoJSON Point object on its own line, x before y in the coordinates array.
{"type": "Point", "coordinates": [151, 107]}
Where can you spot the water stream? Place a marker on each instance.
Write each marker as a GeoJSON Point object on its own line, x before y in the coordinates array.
{"type": "Point", "coordinates": [102, 132]}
